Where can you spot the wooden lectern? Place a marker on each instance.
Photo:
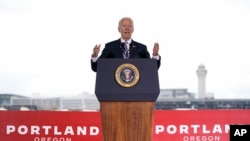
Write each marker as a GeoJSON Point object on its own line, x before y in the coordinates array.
{"type": "Point", "coordinates": [127, 107]}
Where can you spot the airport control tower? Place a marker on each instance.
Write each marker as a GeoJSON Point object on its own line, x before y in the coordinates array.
{"type": "Point", "coordinates": [201, 73]}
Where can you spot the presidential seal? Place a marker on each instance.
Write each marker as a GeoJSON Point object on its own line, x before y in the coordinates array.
{"type": "Point", "coordinates": [127, 75]}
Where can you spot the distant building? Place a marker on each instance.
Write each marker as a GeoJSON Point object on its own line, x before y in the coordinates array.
{"type": "Point", "coordinates": [169, 99]}
{"type": "Point", "coordinates": [202, 104]}
{"type": "Point", "coordinates": [175, 94]}
{"type": "Point", "coordinates": [82, 102]}
{"type": "Point", "coordinates": [5, 103]}
{"type": "Point", "coordinates": [201, 73]}
{"type": "Point", "coordinates": [209, 96]}
{"type": "Point", "coordinates": [41, 103]}
{"type": "Point", "coordinates": [72, 103]}
{"type": "Point", "coordinates": [5, 98]}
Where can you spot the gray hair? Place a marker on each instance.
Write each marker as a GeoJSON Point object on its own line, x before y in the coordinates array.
{"type": "Point", "coordinates": [125, 18]}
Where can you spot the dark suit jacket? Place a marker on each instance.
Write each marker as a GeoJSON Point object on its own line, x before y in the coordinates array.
{"type": "Point", "coordinates": [113, 50]}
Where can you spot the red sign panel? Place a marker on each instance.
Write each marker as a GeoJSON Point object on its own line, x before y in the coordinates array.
{"type": "Point", "coordinates": [169, 125]}
{"type": "Point", "coordinates": [50, 126]}
{"type": "Point", "coordinates": [200, 125]}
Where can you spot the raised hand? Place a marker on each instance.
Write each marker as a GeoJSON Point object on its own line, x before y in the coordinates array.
{"type": "Point", "coordinates": [96, 50]}
{"type": "Point", "coordinates": [156, 49]}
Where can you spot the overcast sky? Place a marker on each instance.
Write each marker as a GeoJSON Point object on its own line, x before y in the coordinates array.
{"type": "Point", "coordinates": [45, 45]}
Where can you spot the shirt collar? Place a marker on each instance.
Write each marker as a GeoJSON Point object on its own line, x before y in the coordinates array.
{"type": "Point", "coordinates": [129, 41]}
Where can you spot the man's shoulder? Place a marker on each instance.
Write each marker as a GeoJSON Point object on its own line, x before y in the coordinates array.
{"type": "Point", "coordinates": [118, 41]}
{"type": "Point", "coordinates": [113, 42]}
{"type": "Point", "coordinates": [135, 43]}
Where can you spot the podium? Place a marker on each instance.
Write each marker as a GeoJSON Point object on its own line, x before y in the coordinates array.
{"type": "Point", "coordinates": [127, 90]}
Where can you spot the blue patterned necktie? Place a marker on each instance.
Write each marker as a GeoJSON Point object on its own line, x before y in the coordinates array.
{"type": "Point", "coordinates": [126, 51]}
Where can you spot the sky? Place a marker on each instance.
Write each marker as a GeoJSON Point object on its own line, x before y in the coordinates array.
{"type": "Point", "coordinates": [45, 46]}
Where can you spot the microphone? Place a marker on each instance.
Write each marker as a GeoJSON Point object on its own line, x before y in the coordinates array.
{"type": "Point", "coordinates": [122, 46]}
{"type": "Point", "coordinates": [131, 46]}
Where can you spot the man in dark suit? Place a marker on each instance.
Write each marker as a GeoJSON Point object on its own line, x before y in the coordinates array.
{"type": "Point", "coordinates": [124, 47]}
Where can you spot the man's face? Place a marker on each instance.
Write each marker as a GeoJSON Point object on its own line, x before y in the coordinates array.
{"type": "Point", "coordinates": [126, 29]}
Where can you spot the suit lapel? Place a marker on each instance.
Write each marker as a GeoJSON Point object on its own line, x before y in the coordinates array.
{"type": "Point", "coordinates": [132, 52]}
{"type": "Point", "coordinates": [118, 52]}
